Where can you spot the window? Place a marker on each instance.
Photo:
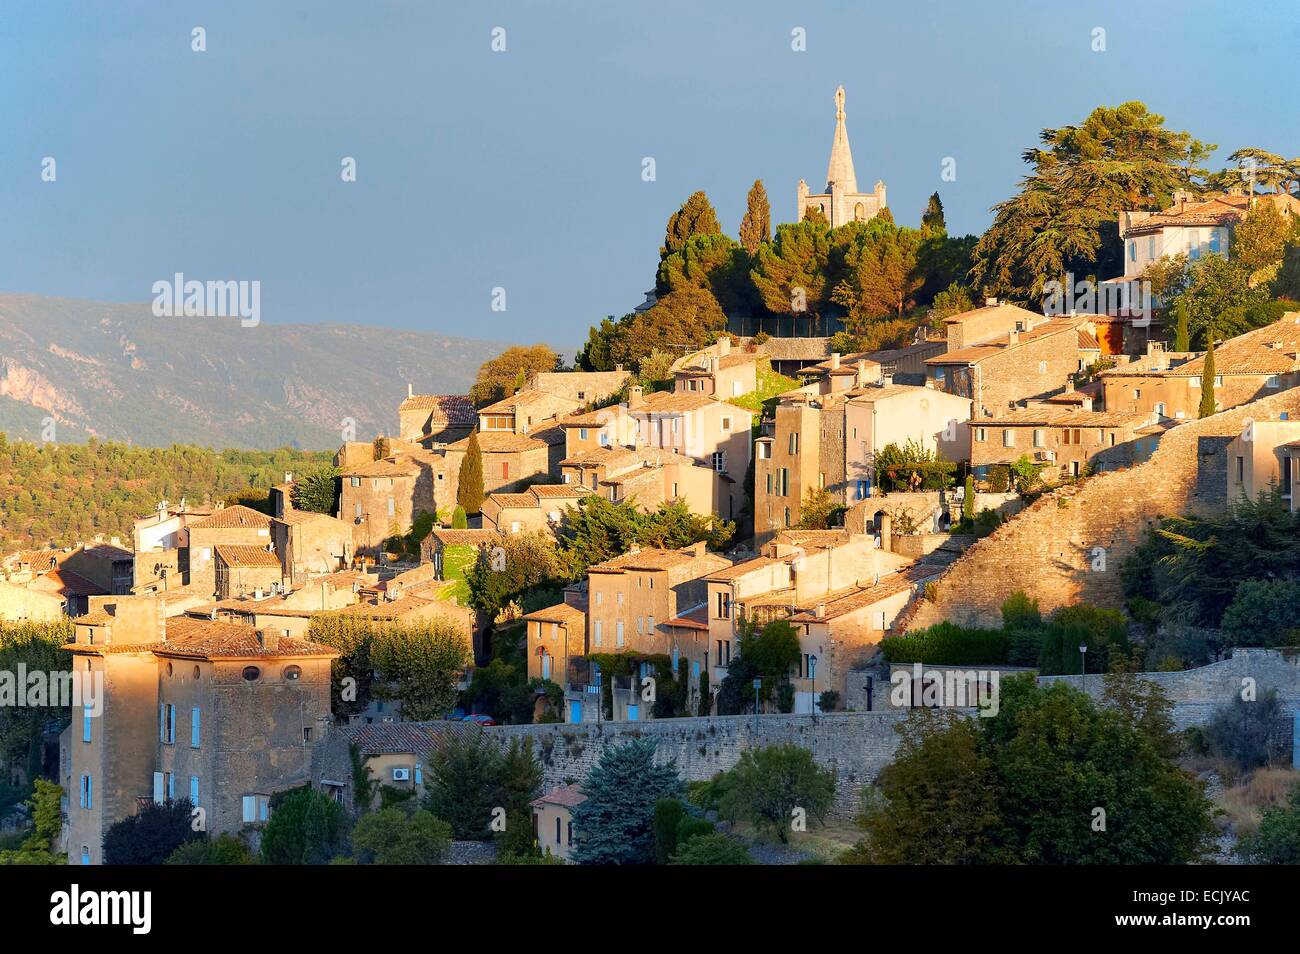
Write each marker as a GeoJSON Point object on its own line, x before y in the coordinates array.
{"type": "Point", "coordinates": [1151, 247]}
{"type": "Point", "coordinates": [1008, 437]}
{"type": "Point", "coordinates": [618, 633]}
{"type": "Point", "coordinates": [861, 489]}
{"type": "Point", "coordinates": [1241, 469]}
{"type": "Point", "coordinates": [292, 673]}
{"type": "Point", "coordinates": [980, 434]}
{"type": "Point", "coordinates": [85, 854]}
{"type": "Point", "coordinates": [1042, 367]}
{"type": "Point", "coordinates": [252, 674]}
{"type": "Point", "coordinates": [505, 470]}
{"type": "Point", "coordinates": [356, 481]}
{"type": "Point", "coordinates": [392, 507]}
{"type": "Point", "coordinates": [1132, 251]}
{"type": "Point", "coordinates": [86, 799]}
{"type": "Point", "coordinates": [357, 511]}
{"type": "Point", "coordinates": [719, 461]}
{"type": "Point", "coordinates": [557, 830]}
{"type": "Point", "coordinates": [194, 790]}
{"type": "Point", "coordinates": [764, 450]}
{"type": "Point", "coordinates": [1272, 381]}
{"type": "Point", "coordinates": [86, 709]}
{"type": "Point", "coordinates": [171, 786]}
{"type": "Point", "coordinates": [783, 482]}
{"type": "Point", "coordinates": [1040, 437]}
{"type": "Point", "coordinates": [1214, 241]}
{"type": "Point", "coordinates": [1218, 380]}
{"type": "Point", "coordinates": [166, 723]}
{"type": "Point", "coordinates": [1160, 408]}
{"type": "Point", "coordinates": [195, 727]}
{"type": "Point", "coordinates": [726, 423]}
{"type": "Point", "coordinates": [582, 433]}
{"type": "Point", "coordinates": [794, 443]}
{"type": "Point", "coordinates": [256, 808]}
{"type": "Point", "coordinates": [570, 832]}
{"type": "Point", "coordinates": [597, 635]}
{"type": "Point", "coordinates": [724, 605]}
{"type": "Point", "coordinates": [787, 516]}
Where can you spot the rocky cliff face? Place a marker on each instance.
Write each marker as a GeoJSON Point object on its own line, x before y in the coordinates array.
{"type": "Point", "coordinates": [117, 372]}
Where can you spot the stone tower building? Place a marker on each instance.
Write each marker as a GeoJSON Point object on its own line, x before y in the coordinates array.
{"type": "Point", "coordinates": [841, 202]}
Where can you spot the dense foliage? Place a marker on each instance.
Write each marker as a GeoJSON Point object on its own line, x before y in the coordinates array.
{"type": "Point", "coordinates": [615, 825]}
{"type": "Point", "coordinates": [61, 494]}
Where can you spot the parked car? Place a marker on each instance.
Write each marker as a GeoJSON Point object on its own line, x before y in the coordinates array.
{"type": "Point", "coordinates": [481, 718]}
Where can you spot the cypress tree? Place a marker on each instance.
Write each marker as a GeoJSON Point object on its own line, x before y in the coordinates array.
{"type": "Point", "coordinates": [932, 222]}
{"type": "Point", "coordinates": [756, 226]}
{"type": "Point", "coordinates": [968, 501]}
{"type": "Point", "coordinates": [1207, 380]}
{"type": "Point", "coordinates": [469, 492]}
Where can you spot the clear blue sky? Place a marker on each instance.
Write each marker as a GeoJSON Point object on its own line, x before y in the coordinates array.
{"type": "Point", "coordinates": [522, 169]}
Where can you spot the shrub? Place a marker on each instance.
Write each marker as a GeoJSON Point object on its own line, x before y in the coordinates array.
{"type": "Point", "coordinates": [713, 849]}
{"type": "Point", "coordinates": [768, 784]}
{"type": "Point", "coordinates": [669, 813]}
{"type": "Point", "coordinates": [150, 835]}
{"type": "Point", "coordinates": [392, 836]}
{"type": "Point", "coordinates": [1248, 734]}
{"type": "Point", "coordinates": [225, 849]}
{"type": "Point", "coordinates": [306, 827]}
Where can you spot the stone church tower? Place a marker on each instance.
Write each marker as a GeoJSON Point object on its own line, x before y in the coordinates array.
{"type": "Point", "coordinates": [841, 202]}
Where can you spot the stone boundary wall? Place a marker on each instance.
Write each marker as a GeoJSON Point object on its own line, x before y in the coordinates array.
{"type": "Point", "coordinates": [1048, 549]}
{"type": "Point", "coordinates": [856, 745]}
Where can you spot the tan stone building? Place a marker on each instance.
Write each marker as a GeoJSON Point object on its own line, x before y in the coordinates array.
{"type": "Point", "coordinates": [717, 371]}
{"type": "Point", "coordinates": [213, 712]}
{"type": "Point", "coordinates": [226, 526]}
{"type": "Point", "coordinates": [510, 461]}
{"type": "Point", "coordinates": [540, 507]}
{"type": "Point", "coordinates": [381, 498]}
{"type": "Point", "coordinates": [1265, 455]}
{"type": "Point", "coordinates": [435, 418]}
{"type": "Point", "coordinates": [246, 571]}
{"type": "Point", "coordinates": [553, 820]}
{"type": "Point", "coordinates": [310, 545]}
{"type": "Point", "coordinates": [556, 635]}
{"type": "Point", "coordinates": [1064, 442]}
{"type": "Point", "coordinates": [1248, 367]}
{"type": "Point", "coordinates": [1022, 365]}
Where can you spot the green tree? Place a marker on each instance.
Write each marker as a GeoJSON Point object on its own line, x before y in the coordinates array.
{"type": "Point", "coordinates": [469, 486]}
{"type": "Point", "coordinates": [756, 226]}
{"type": "Point", "coordinates": [1103, 631]}
{"type": "Point", "coordinates": [1182, 340]}
{"type": "Point", "coordinates": [713, 849]}
{"type": "Point", "coordinates": [769, 785]}
{"type": "Point", "coordinates": [932, 222]}
{"type": "Point", "coordinates": [882, 276]}
{"type": "Point", "coordinates": [40, 847]}
{"type": "Point", "coordinates": [669, 813]}
{"type": "Point", "coordinates": [790, 273]}
{"type": "Point", "coordinates": [225, 849]}
{"type": "Point", "coordinates": [615, 824]}
{"type": "Point", "coordinates": [521, 782]}
{"type": "Point", "coordinates": [968, 501]}
{"type": "Point", "coordinates": [317, 492]}
{"type": "Point", "coordinates": [1023, 787]}
{"type": "Point", "coordinates": [459, 521]}
{"type": "Point", "coordinates": [465, 784]}
{"type": "Point", "coordinates": [392, 836]}
{"type": "Point", "coordinates": [1277, 839]}
{"type": "Point", "coordinates": [1249, 734]}
{"type": "Point", "coordinates": [306, 827]}
{"type": "Point", "coordinates": [1063, 218]}
{"type": "Point", "coordinates": [498, 376]}
{"type": "Point", "coordinates": [150, 835]}
{"type": "Point", "coordinates": [420, 665]}
{"type": "Point", "coordinates": [1207, 382]}
{"type": "Point", "coordinates": [695, 217]}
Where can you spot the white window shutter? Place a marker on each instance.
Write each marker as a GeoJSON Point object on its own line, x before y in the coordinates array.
{"type": "Point", "coordinates": [157, 786]}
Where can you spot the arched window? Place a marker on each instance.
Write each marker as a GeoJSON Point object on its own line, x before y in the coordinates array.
{"type": "Point", "coordinates": [859, 213]}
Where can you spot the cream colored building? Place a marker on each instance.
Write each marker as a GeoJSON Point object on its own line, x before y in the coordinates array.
{"type": "Point", "coordinates": [1264, 455]}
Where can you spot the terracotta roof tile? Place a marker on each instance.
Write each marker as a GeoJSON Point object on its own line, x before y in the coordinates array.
{"type": "Point", "coordinates": [447, 408]}
{"type": "Point", "coordinates": [246, 555]}
{"type": "Point", "coordinates": [233, 517]}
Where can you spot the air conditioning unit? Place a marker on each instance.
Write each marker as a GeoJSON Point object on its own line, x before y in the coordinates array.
{"type": "Point", "coordinates": [401, 774]}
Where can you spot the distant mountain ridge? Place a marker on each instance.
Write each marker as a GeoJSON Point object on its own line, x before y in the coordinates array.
{"type": "Point", "coordinates": [116, 372]}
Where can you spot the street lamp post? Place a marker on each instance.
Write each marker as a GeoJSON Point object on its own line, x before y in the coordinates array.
{"type": "Point", "coordinates": [1083, 655]}
{"type": "Point", "coordinates": [758, 684]}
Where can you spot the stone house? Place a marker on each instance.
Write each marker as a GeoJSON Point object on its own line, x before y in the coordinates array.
{"type": "Point", "coordinates": [1064, 442]}
{"type": "Point", "coordinates": [553, 820]}
{"type": "Point", "coordinates": [246, 570]}
{"type": "Point", "coordinates": [717, 371]}
{"type": "Point", "coordinates": [1020, 366]}
{"type": "Point", "coordinates": [435, 418]}
{"type": "Point", "coordinates": [556, 635]}
{"type": "Point", "coordinates": [1248, 367]}
{"type": "Point", "coordinates": [540, 507]}
{"type": "Point", "coordinates": [310, 545]}
{"type": "Point", "coordinates": [214, 712]}
{"type": "Point", "coordinates": [1265, 455]}
{"type": "Point", "coordinates": [225, 526]}
{"type": "Point", "coordinates": [394, 753]}
{"type": "Point", "coordinates": [510, 461]}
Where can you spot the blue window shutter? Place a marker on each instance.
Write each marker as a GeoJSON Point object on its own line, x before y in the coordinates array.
{"type": "Point", "coordinates": [194, 790]}
{"type": "Point", "coordinates": [195, 726]}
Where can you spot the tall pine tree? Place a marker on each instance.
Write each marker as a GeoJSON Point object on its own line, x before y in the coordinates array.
{"type": "Point", "coordinates": [469, 490]}
{"type": "Point", "coordinates": [615, 825]}
{"type": "Point", "coordinates": [756, 226]}
{"type": "Point", "coordinates": [932, 222]}
{"type": "Point", "coordinates": [1182, 338]}
{"type": "Point", "coordinates": [695, 217]}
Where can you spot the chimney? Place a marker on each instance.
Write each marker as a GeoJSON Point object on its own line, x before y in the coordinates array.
{"type": "Point", "coordinates": [990, 302]}
{"type": "Point", "coordinates": [635, 396]}
{"type": "Point", "coordinates": [835, 360]}
{"type": "Point", "coordinates": [862, 372]}
{"type": "Point", "coordinates": [257, 593]}
{"type": "Point", "coordinates": [410, 389]}
{"type": "Point", "coordinates": [1013, 337]}
{"type": "Point", "coordinates": [269, 640]}
{"type": "Point", "coordinates": [618, 367]}
{"type": "Point", "coordinates": [887, 380]}
{"type": "Point", "coordinates": [821, 610]}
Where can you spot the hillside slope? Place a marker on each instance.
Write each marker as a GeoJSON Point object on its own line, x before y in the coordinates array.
{"type": "Point", "coordinates": [116, 372]}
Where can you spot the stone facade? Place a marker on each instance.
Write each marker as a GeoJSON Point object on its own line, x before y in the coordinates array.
{"type": "Point", "coordinates": [1049, 549]}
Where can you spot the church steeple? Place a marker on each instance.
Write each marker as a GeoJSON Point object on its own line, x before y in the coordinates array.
{"type": "Point", "coordinates": [840, 171]}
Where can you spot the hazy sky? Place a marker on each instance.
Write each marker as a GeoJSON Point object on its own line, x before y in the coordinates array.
{"type": "Point", "coordinates": [522, 169]}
